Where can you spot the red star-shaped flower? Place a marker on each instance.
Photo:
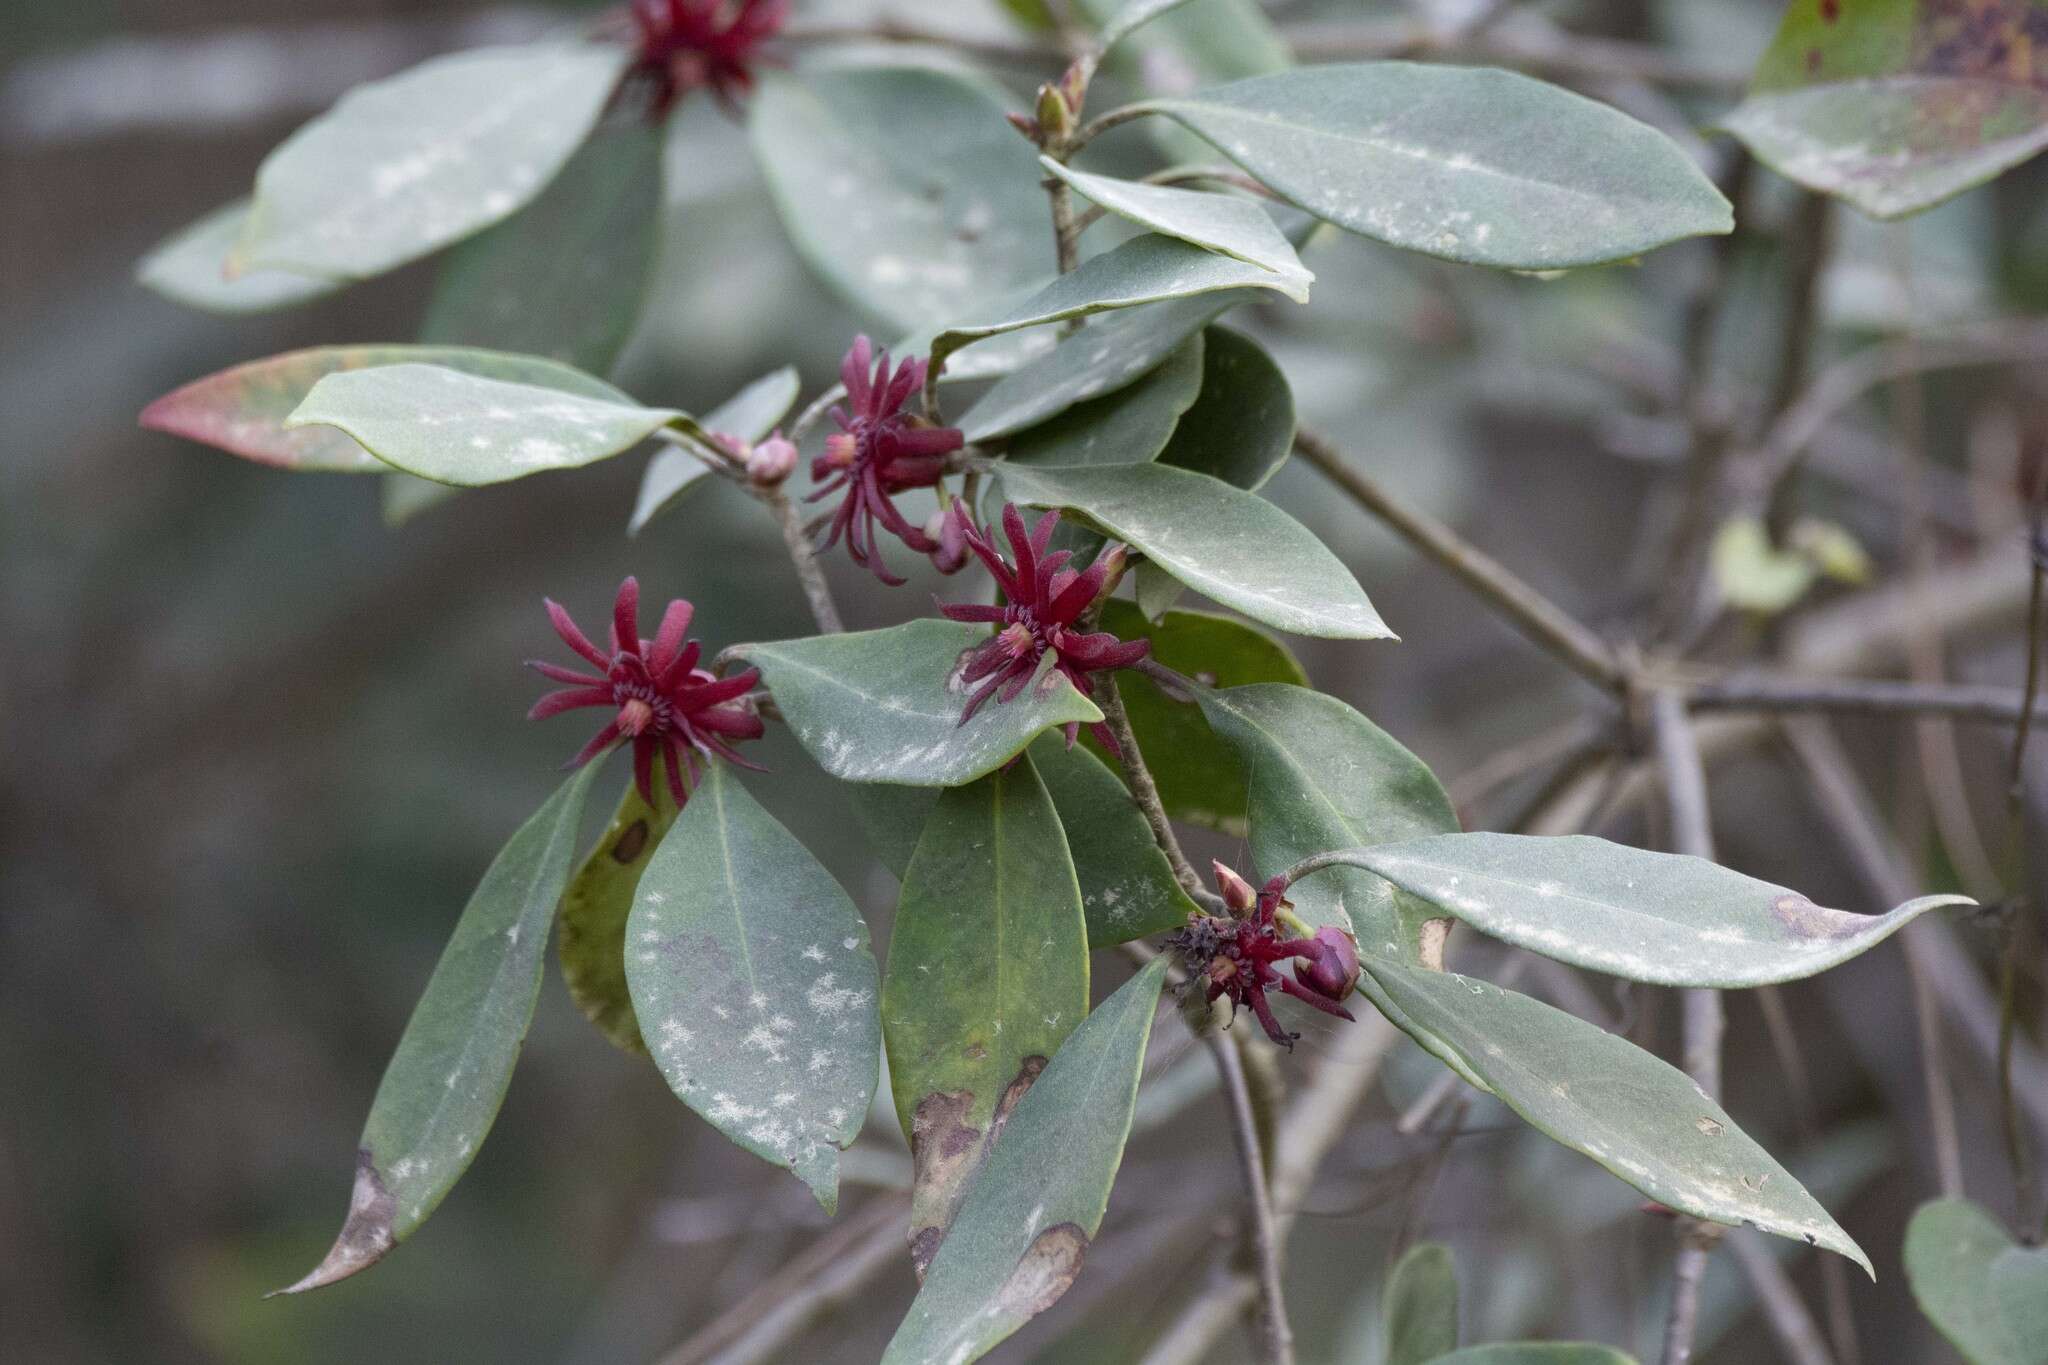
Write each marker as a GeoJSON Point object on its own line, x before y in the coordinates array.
{"type": "Point", "coordinates": [1236, 956]}
{"type": "Point", "coordinates": [685, 44]}
{"type": "Point", "coordinates": [665, 703]}
{"type": "Point", "coordinates": [1042, 600]}
{"type": "Point", "coordinates": [879, 451]}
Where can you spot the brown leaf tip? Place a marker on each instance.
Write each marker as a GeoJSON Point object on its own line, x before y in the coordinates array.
{"type": "Point", "coordinates": [1045, 1271]}
{"type": "Point", "coordinates": [366, 1234]}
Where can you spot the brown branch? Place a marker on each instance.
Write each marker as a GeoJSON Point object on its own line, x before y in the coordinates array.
{"type": "Point", "coordinates": [803, 555]}
{"type": "Point", "coordinates": [1790, 1322]}
{"type": "Point", "coordinates": [1276, 1336]}
{"type": "Point", "coordinates": [1955, 701]}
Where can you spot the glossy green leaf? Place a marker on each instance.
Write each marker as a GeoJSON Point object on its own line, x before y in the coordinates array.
{"type": "Point", "coordinates": [1128, 889]}
{"type": "Point", "coordinates": [190, 267]}
{"type": "Point", "coordinates": [404, 166]}
{"type": "Point", "coordinates": [592, 944]}
{"type": "Point", "coordinates": [1153, 268]}
{"type": "Point", "coordinates": [445, 1082]}
{"type": "Point", "coordinates": [1201, 43]}
{"type": "Point", "coordinates": [988, 973]}
{"type": "Point", "coordinates": [750, 414]}
{"type": "Point", "coordinates": [1020, 1237]}
{"type": "Point", "coordinates": [1537, 1353]}
{"type": "Point", "coordinates": [1101, 358]}
{"type": "Point", "coordinates": [1321, 777]}
{"type": "Point", "coordinates": [1421, 1305]}
{"type": "Point", "coordinates": [1197, 771]}
{"type": "Point", "coordinates": [903, 187]}
{"type": "Point", "coordinates": [1466, 163]}
{"type": "Point", "coordinates": [457, 428]}
{"type": "Point", "coordinates": [1638, 1116]}
{"type": "Point", "coordinates": [1241, 428]}
{"type": "Point", "coordinates": [564, 277]}
{"type": "Point", "coordinates": [752, 971]}
{"type": "Point", "coordinates": [1987, 1294]}
{"type": "Point", "coordinates": [1129, 18]}
{"type": "Point", "coordinates": [1154, 589]}
{"type": "Point", "coordinates": [243, 410]}
{"type": "Point", "coordinates": [1126, 427]}
{"type": "Point", "coordinates": [884, 705]}
{"type": "Point", "coordinates": [1231, 545]}
{"type": "Point", "coordinates": [1219, 222]}
{"type": "Point", "coordinates": [892, 817]}
{"type": "Point", "coordinates": [1895, 105]}
{"type": "Point", "coordinates": [1658, 917]}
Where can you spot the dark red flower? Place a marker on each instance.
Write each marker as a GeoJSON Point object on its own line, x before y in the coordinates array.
{"type": "Point", "coordinates": [879, 451]}
{"type": "Point", "coordinates": [1236, 955]}
{"type": "Point", "coordinates": [665, 703]}
{"type": "Point", "coordinates": [685, 44]}
{"type": "Point", "coordinates": [1042, 598]}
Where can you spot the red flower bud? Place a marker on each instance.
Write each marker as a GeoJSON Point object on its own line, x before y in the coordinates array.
{"type": "Point", "coordinates": [1236, 891]}
{"type": "Point", "coordinates": [949, 532]}
{"type": "Point", "coordinates": [1330, 968]}
{"type": "Point", "coordinates": [770, 462]}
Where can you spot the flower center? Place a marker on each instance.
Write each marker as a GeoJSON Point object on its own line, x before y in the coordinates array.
{"type": "Point", "coordinates": [1017, 639]}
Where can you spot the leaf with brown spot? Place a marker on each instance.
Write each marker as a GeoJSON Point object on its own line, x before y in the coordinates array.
{"type": "Point", "coordinates": [448, 1076]}
{"type": "Point", "coordinates": [1024, 1229]}
{"type": "Point", "coordinates": [592, 949]}
{"type": "Point", "coordinates": [988, 973]}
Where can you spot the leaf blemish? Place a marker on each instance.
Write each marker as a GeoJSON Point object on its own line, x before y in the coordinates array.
{"type": "Point", "coordinates": [631, 844]}
{"type": "Point", "coordinates": [1045, 1271]}
{"type": "Point", "coordinates": [366, 1234]}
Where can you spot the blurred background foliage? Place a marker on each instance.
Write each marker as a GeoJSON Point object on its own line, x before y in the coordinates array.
{"type": "Point", "coordinates": [257, 746]}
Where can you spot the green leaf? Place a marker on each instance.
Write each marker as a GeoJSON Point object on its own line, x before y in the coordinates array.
{"type": "Point", "coordinates": [750, 414]}
{"type": "Point", "coordinates": [1896, 105]}
{"type": "Point", "coordinates": [1199, 777]}
{"type": "Point", "coordinates": [445, 1082]}
{"type": "Point", "coordinates": [1231, 545]}
{"type": "Point", "coordinates": [1421, 1306]}
{"type": "Point", "coordinates": [1100, 358]}
{"type": "Point", "coordinates": [1204, 42]}
{"type": "Point", "coordinates": [1154, 589]}
{"type": "Point", "coordinates": [902, 186]}
{"type": "Point", "coordinates": [1987, 1294]}
{"type": "Point", "coordinates": [1128, 889]}
{"type": "Point", "coordinates": [1242, 427]}
{"type": "Point", "coordinates": [1153, 268]}
{"type": "Point", "coordinates": [565, 276]}
{"type": "Point", "coordinates": [1025, 1227]}
{"type": "Point", "coordinates": [884, 705]}
{"type": "Point", "coordinates": [752, 970]}
{"type": "Point", "coordinates": [1132, 15]}
{"type": "Point", "coordinates": [1538, 1353]}
{"type": "Point", "coordinates": [403, 497]}
{"type": "Point", "coordinates": [1324, 777]}
{"type": "Point", "coordinates": [1126, 427]}
{"type": "Point", "coordinates": [1465, 163]}
{"type": "Point", "coordinates": [988, 973]}
{"type": "Point", "coordinates": [1657, 917]}
{"type": "Point", "coordinates": [456, 428]}
{"type": "Point", "coordinates": [1598, 1094]}
{"type": "Point", "coordinates": [404, 166]}
{"type": "Point", "coordinates": [243, 410]}
{"type": "Point", "coordinates": [892, 817]}
{"type": "Point", "coordinates": [592, 946]}
{"type": "Point", "coordinates": [1223, 223]}
{"type": "Point", "coordinates": [190, 267]}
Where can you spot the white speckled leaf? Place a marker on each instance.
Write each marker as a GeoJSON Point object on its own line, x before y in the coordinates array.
{"type": "Point", "coordinates": [884, 705]}
{"type": "Point", "coordinates": [456, 428]}
{"type": "Point", "coordinates": [1635, 1114]}
{"type": "Point", "coordinates": [902, 186]}
{"type": "Point", "coordinates": [1024, 1230]}
{"type": "Point", "coordinates": [190, 267]}
{"type": "Point", "coordinates": [1241, 428]}
{"type": "Point", "coordinates": [1223, 223]}
{"type": "Point", "coordinates": [1127, 887]}
{"type": "Point", "coordinates": [1322, 776]}
{"type": "Point", "coordinates": [1987, 1294]}
{"type": "Point", "coordinates": [749, 414]}
{"type": "Point", "coordinates": [1657, 917]}
{"type": "Point", "coordinates": [1129, 426]}
{"type": "Point", "coordinates": [1466, 163]}
{"type": "Point", "coordinates": [754, 984]}
{"type": "Point", "coordinates": [404, 166]}
{"type": "Point", "coordinates": [1149, 269]}
{"type": "Point", "coordinates": [445, 1082]}
{"type": "Point", "coordinates": [1232, 545]}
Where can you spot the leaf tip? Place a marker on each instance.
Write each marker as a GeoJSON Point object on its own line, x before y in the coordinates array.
{"type": "Point", "coordinates": [367, 1234]}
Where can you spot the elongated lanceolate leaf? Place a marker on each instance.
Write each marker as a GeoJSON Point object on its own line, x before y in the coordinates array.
{"type": "Point", "coordinates": [1987, 1294]}
{"type": "Point", "coordinates": [1241, 429]}
{"type": "Point", "coordinates": [1232, 545]}
{"type": "Point", "coordinates": [1657, 917]}
{"type": "Point", "coordinates": [1223, 223]}
{"type": "Point", "coordinates": [752, 976]}
{"type": "Point", "coordinates": [884, 705]}
{"type": "Point", "coordinates": [456, 428]}
{"type": "Point", "coordinates": [1895, 105]}
{"type": "Point", "coordinates": [1465, 163]}
{"type": "Point", "coordinates": [191, 268]}
{"type": "Point", "coordinates": [1129, 426]}
{"type": "Point", "coordinates": [749, 414]}
{"type": "Point", "coordinates": [1021, 1236]}
{"type": "Point", "coordinates": [1638, 1116]}
{"type": "Point", "coordinates": [404, 166]}
{"type": "Point", "coordinates": [1128, 889]}
{"type": "Point", "coordinates": [448, 1077]}
{"type": "Point", "coordinates": [1420, 1306]}
{"type": "Point", "coordinates": [592, 943]}
{"type": "Point", "coordinates": [243, 410]}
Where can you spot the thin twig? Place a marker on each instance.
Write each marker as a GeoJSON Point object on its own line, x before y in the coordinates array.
{"type": "Point", "coordinates": [804, 557]}
{"type": "Point", "coordinates": [1869, 696]}
{"type": "Point", "coordinates": [1277, 1337]}
{"type": "Point", "coordinates": [1535, 615]}
{"type": "Point", "coordinates": [2019, 1150]}
{"type": "Point", "coordinates": [1146, 793]}
{"type": "Point", "coordinates": [1791, 1324]}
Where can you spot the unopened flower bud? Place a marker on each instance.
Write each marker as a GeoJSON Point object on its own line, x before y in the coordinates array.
{"type": "Point", "coordinates": [1333, 970]}
{"type": "Point", "coordinates": [1114, 561]}
{"type": "Point", "coordinates": [770, 462]}
{"type": "Point", "coordinates": [1236, 891]}
{"type": "Point", "coordinates": [949, 532]}
{"type": "Point", "coordinates": [1055, 115]}
{"type": "Point", "coordinates": [1028, 126]}
{"type": "Point", "coordinates": [1074, 84]}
